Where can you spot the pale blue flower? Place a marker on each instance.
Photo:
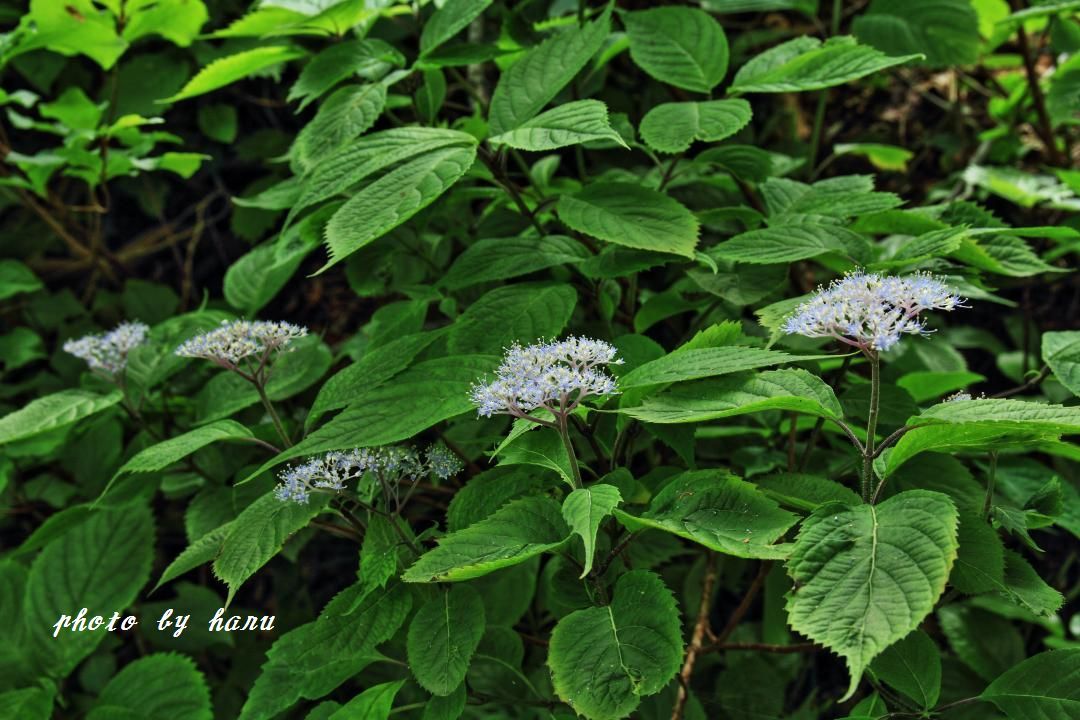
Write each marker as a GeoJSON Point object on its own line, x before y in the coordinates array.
{"type": "Point", "coordinates": [107, 353]}
{"type": "Point", "coordinates": [870, 311]}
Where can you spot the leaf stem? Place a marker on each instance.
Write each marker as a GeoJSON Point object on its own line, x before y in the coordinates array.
{"type": "Point", "coordinates": [564, 433]}
{"type": "Point", "coordinates": [871, 425]}
{"type": "Point", "coordinates": [273, 414]}
{"type": "Point", "coordinates": [991, 477]}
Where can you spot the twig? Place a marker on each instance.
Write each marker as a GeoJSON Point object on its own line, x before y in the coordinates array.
{"type": "Point", "coordinates": [744, 604]}
{"type": "Point", "coordinates": [1044, 128]}
{"type": "Point", "coordinates": [696, 638]}
{"type": "Point", "coordinates": [1043, 374]}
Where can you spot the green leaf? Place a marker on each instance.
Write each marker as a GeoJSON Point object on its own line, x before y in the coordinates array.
{"type": "Point", "coordinates": [1042, 687]}
{"type": "Point", "coordinates": [945, 31]}
{"type": "Point", "coordinates": [313, 659]}
{"type": "Point", "coordinates": [883, 157]}
{"type": "Point", "coordinates": [694, 364]}
{"type": "Point", "coordinates": [77, 27]}
{"type": "Point", "coordinates": [719, 511]}
{"type": "Point", "coordinates": [521, 312]}
{"type": "Point", "coordinates": [788, 243]}
{"type": "Point", "coordinates": [348, 113]}
{"type": "Point", "coordinates": [448, 21]}
{"type": "Point", "coordinates": [54, 411]}
{"type": "Point", "coordinates": [985, 642]}
{"type": "Point", "coordinates": [443, 636]}
{"type": "Point", "coordinates": [924, 386]}
{"type": "Point", "coordinates": [163, 454]}
{"type": "Point", "coordinates": [394, 198]}
{"type": "Point", "coordinates": [672, 127]}
{"type": "Point", "coordinates": [866, 575]}
{"type": "Point", "coordinates": [485, 493]}
{"type": "Point", "coordinates": [258, 534]}
{"type": "Point", "coordinates": [256, 277]}
{"type": "Point", "coordinates": [32, 703]}
{"type": "Point", "coordinates": [794, 390]}
{"type": "Point", "coordinates": [227, 70]}
{"type": "Point", "coordinates": [681, 46]}
{"type": "Point", "coordinates": [1061, 351]}
{"type": "Point", "coordinates": [806, 63]}
{"type": "Point", "coordinates": [100, 565]}
{"type": "Point", "coordinates": [200, 552]}
{"type": "Point", "coordinates": [537, 77]}
{"type": "Point", "coordinates": [573, 123]}
{"type": "Point", "coordinates": [16, 278]}
{"type": "Point", "coordinates": [369, 59]}
{"type": "Point", "coordinates": [1024, 587]}
{"type": "Point", "coordinates": [1063, 97]}
{"type": "Point", "coordinates": [178, 21]}
{"type": "Point", "coordinates": [631, 215]}
{"type": "Point", "coordinates": [543, 449]}
{"type": "Point", "coordinates": [912, 666]}
{"type": "Point", "coordinates": [584, 509]}
{"type": "Point", "coordinates": [502, 258]}
{"type": "Point", "coordinates": [605, 659]}
{"type": "Point", "coordinates": [375, 703]}
{"type": "Point", "coordinates": [805, 492]}
{"type": "Point", "coordinates": [980, 561]}
{"type": "Point", "coordinates": [516, 532]}
{"type": "Point", "coordinates": [162, 685]}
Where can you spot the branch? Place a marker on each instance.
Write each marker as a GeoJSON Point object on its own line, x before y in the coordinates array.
{"type": "Point", "coordinates": [1044, 128]}
{"type": "Point", "coordinates": [700, 629]}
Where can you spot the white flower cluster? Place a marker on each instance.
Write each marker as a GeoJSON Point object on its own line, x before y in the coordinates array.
{"type": "Point", "coordinates": [870, 311]}
{"type": "Point", "coordinates": [107, 353]}
{"type": "Point", "coordinates": [233, 341]}
{"type": "Point", "coordinates": [555, 375]}
{"type": "Point", "coordinates": [330, 472]}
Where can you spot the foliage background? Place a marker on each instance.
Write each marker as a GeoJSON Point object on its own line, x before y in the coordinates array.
{"type": "Point", "coordinates": [421, 185]}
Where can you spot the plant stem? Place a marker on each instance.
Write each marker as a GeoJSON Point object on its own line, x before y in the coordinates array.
{"type": "Point", "coordinates": [991, 477]}
{"type": "Point", "coordinates": [871, 425]}
{"type": "Point", "coordinates": [273, 414]}
{"type": "Point", "coordinates": [1044, 128]}
{"type": "Point", "coordinates": [564, 433]}
{"type": "Point", "coordinates": [697, 639]}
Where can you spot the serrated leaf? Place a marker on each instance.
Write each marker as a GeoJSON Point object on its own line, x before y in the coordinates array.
{"type": "Point", "coordinates": [375, 703]}
{"type": "Point", "coordinates": [985, 642]}
{"type": "Point", "coordinates": [254, 278]}
{"type": "Point", "coordinates": [795, 390]}
{"type": "Point", "coordinates": [227, 70]}
{"type": "Point", "coordinates": [448, 21]}
{"type": "Point", "coordinates": [1042, 687]}
{"type": "Point", "coordinates": [682, 46]}
{"type": "Point", "coordinates": [162, 685]}
{"type": "Point", "coordinates": [573, 123]}
{"type": "Point", "coordinates": [1061, 351]}
{"type": "Point", "coordinates": [945, 31]}
{"type": "Point", "coordinates": [258, 534]}
{"type": "Point", "coordinates": [584, 509]}
{"type": "Point", "coordinates": [541, 449]}
{"type": "Point", "coordinates": [697, 363]}
{"type": "Point", "coordinates": [516, 532]}
{"type": "Point", "coordinates": [719, 511]}
{"type": "Point", "coordinates": [806, 63]}
{"type": "Point", "coordinates": [1024, 587]}
{"type": "Point", "coordinates": [348, 113]}
{"type": "Point", "coordinates": [912, 666]}
{"type": "Point", "coordinates": [369, 59]}
{"type": "Point", "coordinates": [163, 454]}
{"type": "Point", "coordinates": [788, 243]}
{"type": "Point", "coordinates": [631, 215]}
{"type": "Point", "coordinates": [200, 552]}
{"type": "Point", "coordinates": [492, 259]}
{"type": "Point", "coordinates": [867, 575]}
{"type": "Point", "coordinates": [980, 561]}
{"type": "Point", "coordinates": [100, 565]}
{"type": "Point", "coordinates": [804, 492]}
{"type": "Point", "coordinates": [538, 76]}
{"type": "Point", "coordinates": [442, 638]}
{"type": "Point", "coordinates": [520, 312]}
{"type": "Point", "coordinates": [53, 412]}
{"type": "Point", "coordinates": [394, 198]}
{"type": "Point", "coordinates": [672, 127]}
{"type": "Point", "coordinates": [605, 659]}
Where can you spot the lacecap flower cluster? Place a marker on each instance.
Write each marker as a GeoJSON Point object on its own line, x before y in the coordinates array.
{"type": "Point", "coordinates": [235, 340]}
{"type": "Point", "coordinates": [107, 353]}
{"type": "Point", "coordinates": [330, 472]}
{"type": "Point", "coordinates": [871, 311]}
{"type": "Point", "coordinates": [556, 375]}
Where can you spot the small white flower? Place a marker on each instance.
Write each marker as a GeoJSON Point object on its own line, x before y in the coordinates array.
{"type": "Point", "coordinates": [233, 341]}
{"type": "Point", "coordinates": [107, 353]}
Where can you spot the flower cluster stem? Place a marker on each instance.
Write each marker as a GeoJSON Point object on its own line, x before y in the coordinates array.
{"type": "Point", "coordinates": [272, 413]}
{"type": "Point", "coordinates": [564, 433]}
{"type": "Point", "coordinates": [871, 425]}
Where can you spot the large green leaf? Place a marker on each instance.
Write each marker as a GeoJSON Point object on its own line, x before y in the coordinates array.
{"type": "Point", "coordinates": [227, 70]}
{"type": "Point", "coordinates": [99, 565]}
{"type": "Point", "coordinates": [719, 511]}
{"type": "Point", "coordinates": [683, 46]}
{"type": "Point", "coordinates": [788, 243]}
{"type": "Point", "coordinates": [200, 552]}
{"type": "Point", "coordinates": [348, 113]}
{"type": "Point", "coordinates": [313, 659]}
{"type": "Point", "coordinates": [163, 454]}
{"type": "Point", "coordinates": [699, 363]}
{"type": "Point", "coordinates": [574, 123]}
{"type": "Point", "coordinates": [584, 509]}
{"type": "Point", "coordinates": [1043, 687]}
{"type": "Point", "coordinates": [257, 276]}
{"type": "Point", "coordinates": [912, 666]}
{"type": "Point", "coordinates": [453, 17]}
{"type": "Point", "coordinates": [866, 576]}
{"type": "Point", "coordinates": [945, 31]}
{"type": "Point", "coordinates": [369, 59]}
{"type": "Point", "coordinates": [605, 659]}
{"type": "Point", "coordinates": [258, 534]}
{"type": "Point", "coordinates": [375, 703]}
{"type": "Point", "coordinates": [538, 76]}
{"type": "Point", "coordinates": [394, 198]}
{"type": "Point", "coordinates": [806, 63]}
{"type": "Point", "coordinates": [672, 127]}
{"type": "Point", "coordinates": [516, 532]}
{"type": "Point", "coordinates": [443, 636]}
{"type": "Point", "coordinates": [1061, 351]}
{"type": "Point", "coordinates": [501, 258]}
{"type": "Point", "coordinates": [78, 27]}
{"type": "Point", "coordinates": [631, 215]}
{"type": "Point", "coordinates": [1063, 97]}
{"type": "Point", "coordinates": [16, 278]}
{"type": "Point", "coordinates": [162, 685]}
{"type": "Point", "coordinates": [54, 411]}
{"type": "Point", "coordinates": [520, 312]}
{"type": "Point", "coordinates": [794, 390]}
